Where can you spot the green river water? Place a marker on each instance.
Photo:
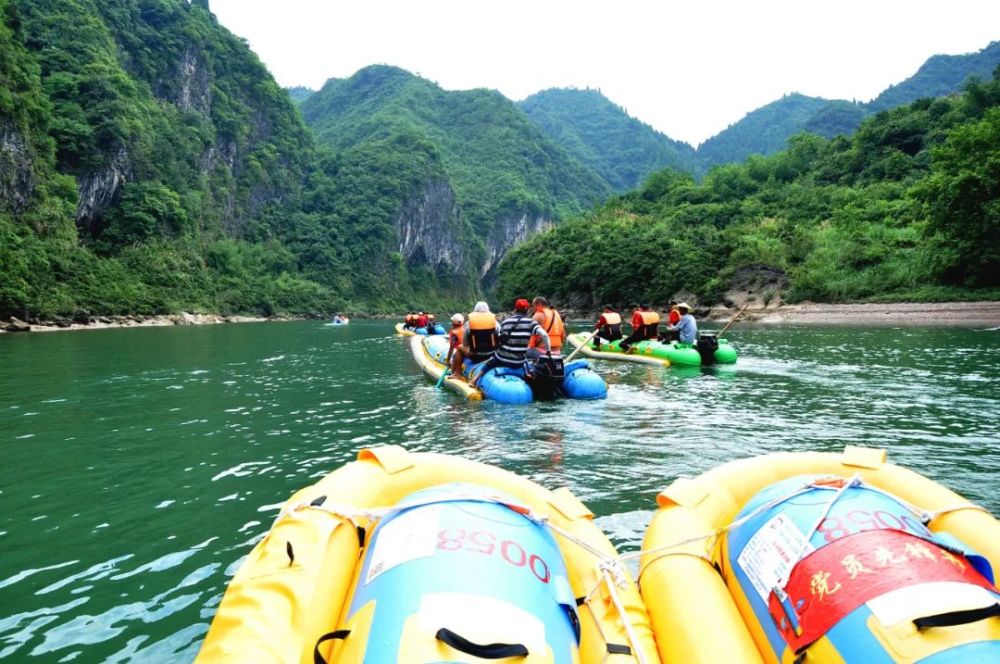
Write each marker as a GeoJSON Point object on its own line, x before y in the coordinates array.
{"type": "Point", "coordinates": [139, 466]}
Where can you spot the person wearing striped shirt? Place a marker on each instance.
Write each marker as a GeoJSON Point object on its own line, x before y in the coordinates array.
{"type": "Point", "coordinates": [515, 335]}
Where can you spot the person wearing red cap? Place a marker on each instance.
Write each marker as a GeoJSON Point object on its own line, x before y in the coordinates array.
{"type": "Point", "coordinates": [515, 335]}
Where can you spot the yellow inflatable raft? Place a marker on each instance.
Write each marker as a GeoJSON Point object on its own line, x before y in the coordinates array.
{"type": "Point", "coordinates": [388, 558]}
{"type": "Point", "coordinates": [401, 331]}
{"type": "Point", "coordinates": [818, 557]}
{"type": "Point", "coordinates": [433, 369]}
{"type": "Point", "coordinates": [576, 340]}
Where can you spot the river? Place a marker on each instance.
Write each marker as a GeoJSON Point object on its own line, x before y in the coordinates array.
{"type": "Point", "coordinates": [140, 465]}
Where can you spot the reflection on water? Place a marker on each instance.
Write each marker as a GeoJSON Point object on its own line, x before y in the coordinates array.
{"type": "Point", "coordinates": [140, 466]}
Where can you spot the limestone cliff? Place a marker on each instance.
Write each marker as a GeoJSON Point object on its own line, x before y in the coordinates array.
{"type": "Point", "coordinates": [16, 178]}
{"type": "Point", "coordinates": [429, 229]}
{"type": "Point", "coordinates": [510, 230]}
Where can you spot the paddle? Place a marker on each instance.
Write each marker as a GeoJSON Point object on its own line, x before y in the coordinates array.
{"type": "Point", "coordinates": [580, 347]}
{"type": "Point", "coordinates": [730, 323]}
{"type": "Point", "coordinates": [444, 374]}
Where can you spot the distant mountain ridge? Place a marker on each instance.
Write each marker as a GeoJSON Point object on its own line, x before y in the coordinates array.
{"type": "Point", "coordinates": [767, 129]}
{"type": "Point", "coordinates": [601, 134]}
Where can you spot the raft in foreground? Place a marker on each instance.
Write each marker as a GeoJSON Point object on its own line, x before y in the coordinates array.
{"type": "Point", "coordinates": [659, 353]}
{"type": "Point", "coordinates": [814, 557]}
{"type": "Point", "coordinates": [503, 385]}
{"type": "Point", "coordinates": [389, 559]}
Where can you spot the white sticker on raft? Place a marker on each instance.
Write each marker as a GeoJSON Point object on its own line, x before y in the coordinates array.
{"type": "Point", "coordinates": [772, 552]}
{"type": "Point", "coordinates": [411, 535]}
{"type": "Point", "coordinates": [929, 599]}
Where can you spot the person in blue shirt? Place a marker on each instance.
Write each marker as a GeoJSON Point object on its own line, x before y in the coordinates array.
{"type": "Point", "coordinates": [686, 326]}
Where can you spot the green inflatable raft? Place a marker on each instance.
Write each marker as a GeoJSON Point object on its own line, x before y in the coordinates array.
{"type": "Point", "coordinates": [656, 352]}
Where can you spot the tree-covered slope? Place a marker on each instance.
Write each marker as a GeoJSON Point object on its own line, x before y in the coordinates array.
{"type": "Point", "coordinates": [300, 93]}
{"type": "Point", "coordinates": [940, 75]}
{"type": "Point", "coordinates": [509, 177]}
{"type": "Point", "coordinates": [149, 163]}
{"type": "Point", "coordinates": [599, 133]}
{"type": "Point", "coordinates": [907, 207]}
{"type": "Point", "coordinates": [762, 131]}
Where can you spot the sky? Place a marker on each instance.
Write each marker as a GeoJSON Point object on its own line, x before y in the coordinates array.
{"type": "Point", "coordinates": [689, 69]}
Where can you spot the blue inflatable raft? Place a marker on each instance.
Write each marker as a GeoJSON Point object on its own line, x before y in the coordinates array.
{"type": "Point", "coordinates": [510, 386]}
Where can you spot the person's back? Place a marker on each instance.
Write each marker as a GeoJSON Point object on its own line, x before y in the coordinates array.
{"type": "Point", "coordinates": [552, 323]}
{"type": "Point", "coordinates": [422, 320]}
{"type": "Point", "coordinates": [688, 328]}
{"type": "Point", "coordinates": [515, 335]}
{"type": "Point", "coordinates": [480, 336]}
{"type": "Point", "coordinates": [650, 324]}
{"type": "Point", "coordinates": [609, 327]}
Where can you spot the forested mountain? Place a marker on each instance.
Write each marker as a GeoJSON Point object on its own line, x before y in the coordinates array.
{"type": "Point", "coordinates": [908, 207]}
{"type": "Point", "coordinates": [940, 75]}
{"type": "Point", "coordinates": [598, 132]}
{"type": "Point", "coordinates": [762, 131]}
{"type": "Point", "coordinates": [149, 163]}
{"type": "Point", "coordinates": [767, 129]}
{"type": "Point", "coordinates": [509, 179]}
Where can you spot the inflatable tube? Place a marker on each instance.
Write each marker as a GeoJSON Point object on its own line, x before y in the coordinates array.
{"type": "Point", "coordinates": [655, 352]}
{"type": "Point", "coordinates": [615, 355]}
{"type": "Point", "coordinates": [503, 385]}
{"type": "Point", "coordinates": [401, 331]}
{"type": "Point", "coordinates": [582, 382]}
{"type": "Point", "coordinates": [849, 569]}
{"type": "Point", "coordinates": [430, 353]}
{"type": "Point", "coordinates": [387, 559]}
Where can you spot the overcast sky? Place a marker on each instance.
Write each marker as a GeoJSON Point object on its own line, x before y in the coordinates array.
{"type": "Point", "coordinates": [689, 69]}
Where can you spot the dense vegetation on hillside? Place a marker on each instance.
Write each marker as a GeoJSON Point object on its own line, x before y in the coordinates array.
{"type": "Point", "coordinates": [622, 149]}
{"type": "Point", "coordinates": [149, 164]}
{"type": "Point", "coordinates": [497, 161]}
{"type": "Point", "coordinates": [908, 207]}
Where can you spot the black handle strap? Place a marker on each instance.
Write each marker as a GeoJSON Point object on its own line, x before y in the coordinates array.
{"type": "Point", "coordinates": [958, 617]}
{"type": "Point", "coordinates": [339, 634]}
{"type": "Point", "coordinates": [487, 651]}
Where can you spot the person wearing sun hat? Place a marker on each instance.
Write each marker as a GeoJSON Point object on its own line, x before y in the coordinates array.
{"type": "Point", "coordinates": [515, 334]}
{"type": "Point", "coordinates": [686, 326]}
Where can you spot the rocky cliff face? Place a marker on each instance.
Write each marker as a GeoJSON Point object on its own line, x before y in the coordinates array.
{"type": "Point", "coordinates": [508, 231]}
{"type": "Point", "coordinates": [100, 190]}
{"type": "Point", "coordinates": [429, 228]}
{"type": "Point", "coordinates": [16, 177]}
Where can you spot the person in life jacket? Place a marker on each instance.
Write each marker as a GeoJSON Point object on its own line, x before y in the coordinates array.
{"type": "Point", "coordinates": [609, 327]}
{"type": "Point", "coordinates": [515, 335]}
{"type": "Point", "coordinates": [551, 322]}
{"type": "Point", "coordinates": [686, 327]}
{"type": "Point", "coordinates": [673, 318]}
{"type": "Point", "coordinates": [480, 337]}
{"type": "Point", "coordinates": [421, 320]}
{"type": "Point", "coordinates": [645, 325]}
{"type": "Point", "coordinates": [408, 321]}
{"type": "Point", "coordinates": [455, 336]}
{"type": "Point", "coordinates": [431, 323]}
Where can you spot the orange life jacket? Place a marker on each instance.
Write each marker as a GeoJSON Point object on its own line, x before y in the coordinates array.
{"type": "Point", "coordinates": [482, 333]}
{"type": "Point", "coordinates": [455, 336]}
{"type": "Point", "coordinates": [649, 317]}
{"type": "Point", "coordinates": [553, 325]}
{"type": "Point", "coordinates": [611, 329]}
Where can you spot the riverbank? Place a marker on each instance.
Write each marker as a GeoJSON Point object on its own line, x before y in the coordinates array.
{"type": "Point", "coordinates": [944, 314]}
{"type": "Point", "coordinates": [916, 314]}
{"type": "Point", "coordinates": [108, 322]}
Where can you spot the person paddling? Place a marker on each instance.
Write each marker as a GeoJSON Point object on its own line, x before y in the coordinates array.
{"type": "Point", "coordinates": [455, 336]}
{"type": "Point", "coordinates": [609, 327]}
{"type": "Point", "coordinates": [686, 327]}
